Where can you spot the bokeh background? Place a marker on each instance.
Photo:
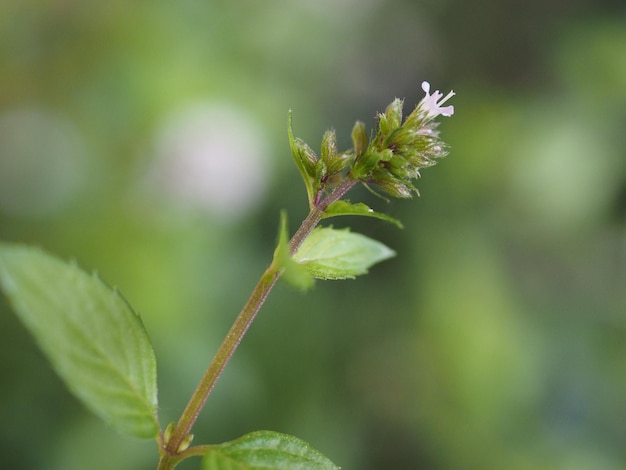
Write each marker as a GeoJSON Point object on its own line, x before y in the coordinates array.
{"type": "Point", "coordinates": [147, 141]}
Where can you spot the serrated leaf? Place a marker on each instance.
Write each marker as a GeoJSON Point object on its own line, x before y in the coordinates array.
{"type": "Point", "coordinates": [342, 207]}
{"type": "Point", "coordinates": [293, 273]}
{"type": "Point", "coordinates": [93, 339]}
{"type": "Point", "coordinates": [266, 450]}
{"type": "Point", "coordinates": [300, 160]}
{"type": "Point", "coordinates": [328, 253]}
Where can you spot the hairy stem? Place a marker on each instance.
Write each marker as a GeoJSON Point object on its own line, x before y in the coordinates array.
{"type": "Point", "coordinates": [221, 358]}
{"type": "Point", "coordinates": [170, 454]}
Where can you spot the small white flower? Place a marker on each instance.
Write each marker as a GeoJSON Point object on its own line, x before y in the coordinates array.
{"type": "Point", "coordinates": [431, 104]}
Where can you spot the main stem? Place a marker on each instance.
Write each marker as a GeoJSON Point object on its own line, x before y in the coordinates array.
{"type": "Point", "coordinates": [238, 330]}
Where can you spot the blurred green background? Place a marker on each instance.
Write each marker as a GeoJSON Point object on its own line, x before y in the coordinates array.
{"type": "Point", "coordinates": [147, 141]}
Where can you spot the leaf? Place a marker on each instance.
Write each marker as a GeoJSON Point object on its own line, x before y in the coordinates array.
{"type": "Point", "coordinates": [302, 157]}
{"type": "Point", "coordinates": [93, 339]}
{"type": "Point", "coordinates": [296, 275]}
{"type": "Point", "coordinates": [328, 253]}
{"type": "Point", "coordinates": [266, 450]}
{"type": "Point", "coordinates": [342, 207]}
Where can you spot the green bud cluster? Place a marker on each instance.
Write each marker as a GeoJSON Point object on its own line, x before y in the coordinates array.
{"type": "Point", "coordinates": [390, 158]}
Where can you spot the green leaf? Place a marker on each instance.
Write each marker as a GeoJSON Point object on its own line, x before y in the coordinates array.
{"type": "Point", "coordinates": [93, 339]}
{"type": "Point", "coordinates": [342, 207]}
{"type": "Point", "coordinates": [266, 450]}
{"type": "Point", "coordinates": [328, 253]}
{"type": "Point", "coordinates": [295, 274]}
{"type": "Point", "coordinates": [302, 155]}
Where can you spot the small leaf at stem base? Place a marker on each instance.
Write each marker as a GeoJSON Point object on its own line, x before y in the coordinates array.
{"type": "Point", "coordinates": [265, 450]}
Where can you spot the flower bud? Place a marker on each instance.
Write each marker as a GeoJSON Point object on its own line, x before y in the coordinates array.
{"type": "Point", "coordinates": [321, 172]}
{"type": "Point", "coordinates": [184, 445]}
{"type": "Point", "coordinates": [335, 162]}
{"type": "Point", "coordinates": [329, 145]}
{"type": "Point", "coordinates": [365, 165]}
{"type": "Point", "coordinates": [392, 119]}
{"type": "Point", "coordinates": [167, 434]}
{"type": "Point", "coordinates": [401, 168]}
{"type": "Point", "coordinates": [394, 186]}
{"type": "Point", "coordinates": [306, 155]}
{"type": "Point", "coordinates": [359, 138]}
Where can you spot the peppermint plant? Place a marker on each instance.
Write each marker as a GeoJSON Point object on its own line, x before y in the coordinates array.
{"type": "Point", "coordinates": [100, 348]}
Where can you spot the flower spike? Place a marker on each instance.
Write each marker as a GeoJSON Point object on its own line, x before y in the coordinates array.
{"type": "Point", "coordinates": [390, 158]}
